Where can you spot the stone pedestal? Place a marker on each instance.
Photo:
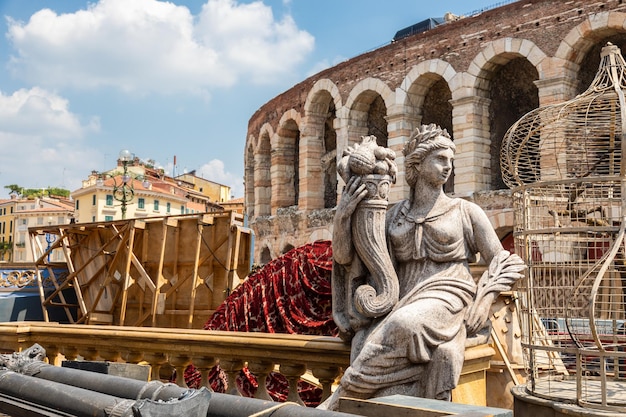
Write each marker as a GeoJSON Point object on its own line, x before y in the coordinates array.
{"type": "Point", "coordinates": [401, 405]}
{"type": "Point", "coordinates": [472, 386]}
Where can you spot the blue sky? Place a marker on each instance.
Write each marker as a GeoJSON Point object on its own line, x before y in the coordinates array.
{"type": "Point", "coordinates": [81, 80]}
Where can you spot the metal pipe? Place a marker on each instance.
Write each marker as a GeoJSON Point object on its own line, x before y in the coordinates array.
{"type": "Point", "coordinates": [109, 384]}
{"type": "Point", "coordinates": [220, 405]}
{"type": "Point", "coordinates": [66, 399]}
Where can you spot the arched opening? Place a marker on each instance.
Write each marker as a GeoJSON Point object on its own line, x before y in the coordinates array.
{"type": "Point", "coordinates": [262, 188]}
{"type": "Point", "coordinates": [591, 61]}
{"type": "Point", "coordinates": [377, 120]}
{"type": "Point", "coordinates": [329, 159]}
{"type": "Point", "coordinates": [438, 109]}
{"type": "Point", "coordinates": [249, 181]}
{"type": "Point", "coordinates": [265, 256]}
{"type": "Point", "coordinates": [513, 93]}
{"type": "Point", "coordinates": [286, 165]}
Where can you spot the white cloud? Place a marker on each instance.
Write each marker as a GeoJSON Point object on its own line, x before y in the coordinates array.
{"type": "Point", "coordinates": [250, 39]}
{"type": "Point", "coordinates": [42, 139]}
{"type": "Point", "coordinates": [35, 162]}
{"type": "Point", "coordinates": [41, 113]}
{"type": "Point", "coordinates": [154, 46]}
{"type": "Point", "coordinates": [214, 171]}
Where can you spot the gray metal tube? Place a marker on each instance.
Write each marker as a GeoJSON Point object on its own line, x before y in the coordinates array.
{"type": "Point", "coordinates": [220, 405]}
{"type": "Point", "coordinates": [116, 386]}
{"type": "Point", "coordinates": [67, 399]}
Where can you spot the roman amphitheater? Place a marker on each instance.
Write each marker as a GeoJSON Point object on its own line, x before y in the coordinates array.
{"type": "Point", "coordinates": [474, 75]}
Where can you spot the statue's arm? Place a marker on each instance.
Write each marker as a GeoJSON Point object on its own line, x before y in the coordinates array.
{"type": "Point", "coordinates": [503, 269]}
{"type": "Point", "coordinates": [486, 239]}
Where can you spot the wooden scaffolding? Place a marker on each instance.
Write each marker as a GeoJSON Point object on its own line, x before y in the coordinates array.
{"type": "Point", "coordinates": [169, 271]}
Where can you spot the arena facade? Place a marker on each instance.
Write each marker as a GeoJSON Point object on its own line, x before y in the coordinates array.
{"type": "Point", "coordinates": [473, 75]}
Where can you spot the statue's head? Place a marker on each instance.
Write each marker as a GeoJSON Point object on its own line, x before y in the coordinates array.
{"type": "Point", "coordinates": [424, 140]}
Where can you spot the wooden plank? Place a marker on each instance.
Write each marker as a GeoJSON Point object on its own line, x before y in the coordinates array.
{"type": "Point", "coordinates": [229, 262]}
{"type": "Point", "coordinates": [195, 277]}
{"type": "Point", "coordinates": [505, 357]}
{"type": "Point", "coordinates": [175, 270]}
{"type": "Point", "coordinates": [42, 295]}
{"type": "Point", "coordinates": [65, 237]}
{"type": "Point", "coordinates": [159, 275]}
{"type": "Point", "coordinates": [126, 276]}
{"type": "Point", "coordinates": [59, 287]}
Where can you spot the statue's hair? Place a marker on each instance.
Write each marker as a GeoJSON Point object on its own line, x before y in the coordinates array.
{"type": "Point", "coordinates": [424, 140]}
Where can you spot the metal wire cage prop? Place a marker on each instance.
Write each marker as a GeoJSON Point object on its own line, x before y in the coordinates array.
{"type": "Point", "coordinates": [564, 164]}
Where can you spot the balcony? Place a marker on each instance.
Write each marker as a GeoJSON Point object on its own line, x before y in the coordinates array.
{"type": "Point", "coordinates": [292, 355]}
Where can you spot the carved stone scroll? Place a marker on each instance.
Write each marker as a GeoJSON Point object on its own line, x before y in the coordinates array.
{"type": "Point", "coordinates": [376, 167]}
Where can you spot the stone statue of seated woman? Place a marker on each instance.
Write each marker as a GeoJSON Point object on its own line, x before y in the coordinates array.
{"type": "Point", "coordinates": [403, 294]}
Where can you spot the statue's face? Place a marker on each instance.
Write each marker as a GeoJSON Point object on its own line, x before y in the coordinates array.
{"type": "Point", "coordinates": [436, 167]}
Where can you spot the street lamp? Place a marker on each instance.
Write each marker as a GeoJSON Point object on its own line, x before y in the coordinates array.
{"type": "Point", "coordinates": [124, 192]}
{"type": "Point", "coordinates": [50, 238]}
{"type": "Point", "coordinates": [123, 189]}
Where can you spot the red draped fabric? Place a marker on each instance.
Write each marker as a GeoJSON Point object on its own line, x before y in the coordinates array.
{"type": "Point", "coordinates": [291, 294]}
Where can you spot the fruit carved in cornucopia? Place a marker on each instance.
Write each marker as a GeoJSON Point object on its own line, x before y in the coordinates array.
{"type": "Point", "coordinates": [367, 158]}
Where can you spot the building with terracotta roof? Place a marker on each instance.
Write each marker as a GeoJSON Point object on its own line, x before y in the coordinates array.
{"type": "Point", "coordinates": [135, 190]}
{"type": "Point", "coordinates": [218, 193]}
{"type": "Point", "coordinates": [235, 204]}
{"type": "Point", "coordinates": [18, 214]}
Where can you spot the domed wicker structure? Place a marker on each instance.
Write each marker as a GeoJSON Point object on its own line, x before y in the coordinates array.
{"type": "Point", "coordinates": [565, 165]}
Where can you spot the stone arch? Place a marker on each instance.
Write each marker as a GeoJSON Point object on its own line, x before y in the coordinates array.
{"type": "Point", "coordinates": [249, 166]}
{"type": "Point", "coordinates": [428, 98]}
{"type": "Point", "coordinates": [286, 161]}
{"type": "Point", "coordinates": [320, 144]}
{"type": "Point", "coordinates": [497, 53]}
{"type": "Point", "coordinates": [323, 85]}
{"type": "Point", "coordinates": [265, 256]}
{"type": "Point", "coordinates": [505, 75]}
{"type": "Point", "coordinates": [287, 248]}
{"type": "Point", "coordinates": [367, 106]}
{"type": "Point", "coordinates": [418, 83]}
{"type": "Point", "coordinates": [579, 51]}
{"type": "Point", "coordinates": [262, 187]}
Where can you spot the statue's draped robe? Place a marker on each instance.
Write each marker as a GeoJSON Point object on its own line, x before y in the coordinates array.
{"type": "Point", "coordinates": [418, 348]}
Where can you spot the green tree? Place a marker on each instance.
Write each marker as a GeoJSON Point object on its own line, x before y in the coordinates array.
{"type": "Point", "coordinates": [14, 189]}
{"type": "Point", "coordinates": [6, 248]}
{"type": "Point", "coordinates": [59, 192]}
{"type": "Point", "coordinates": [32, 193]}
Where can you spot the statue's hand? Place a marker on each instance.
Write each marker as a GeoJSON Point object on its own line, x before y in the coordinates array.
{"type": "Point", "coordinates": [504, 270]}
{"type": "Point", "coordinates": [478, 314]}
{"type": "Point", "coordinates": [353, 193]}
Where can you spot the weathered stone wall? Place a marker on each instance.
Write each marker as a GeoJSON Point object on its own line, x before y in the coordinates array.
{"type": "Point", "coordinates": [474, 76]}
